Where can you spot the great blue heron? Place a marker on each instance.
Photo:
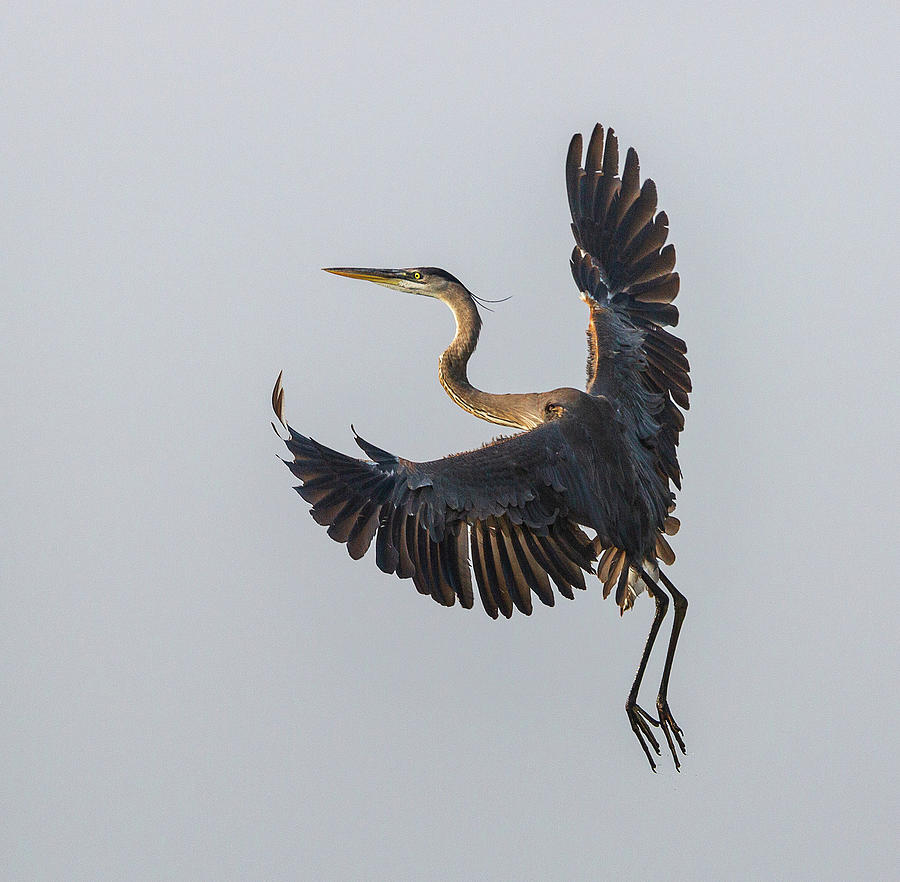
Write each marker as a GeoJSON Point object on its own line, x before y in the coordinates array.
{"type": "Point", "coordinates": [602, 459]}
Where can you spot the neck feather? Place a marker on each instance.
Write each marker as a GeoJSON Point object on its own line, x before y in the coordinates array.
{"type": "Point", "coordinates": [518, 411]}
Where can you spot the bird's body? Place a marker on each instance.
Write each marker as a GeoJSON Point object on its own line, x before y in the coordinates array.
{"type": "Point", "coordinates": [602, 459]}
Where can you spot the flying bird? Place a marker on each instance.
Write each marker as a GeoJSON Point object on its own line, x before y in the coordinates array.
{"type": "Point", "coordinates": [515, 511]}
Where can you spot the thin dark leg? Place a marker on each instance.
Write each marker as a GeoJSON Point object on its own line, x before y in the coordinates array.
{"type": "Point", "coordinates": [666, 720]}
{"type": "Point", "coordinates": [637, 716]}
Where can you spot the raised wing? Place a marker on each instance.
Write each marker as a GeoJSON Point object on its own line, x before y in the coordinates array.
{"type": "Point", "coordinates": [625, 274]}
{"type": "Point", "coordinates": [516, 502]}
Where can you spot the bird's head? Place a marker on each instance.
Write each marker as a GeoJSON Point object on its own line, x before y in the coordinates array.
{"type": "Point", "coordinates": [427, 280]}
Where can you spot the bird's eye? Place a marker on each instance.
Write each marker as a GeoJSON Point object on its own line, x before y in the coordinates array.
{"type": "Point", "coordinates": [417, 276]}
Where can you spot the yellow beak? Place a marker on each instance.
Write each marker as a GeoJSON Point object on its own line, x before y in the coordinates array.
{"type": "Point", "coordinates": [389, 277]}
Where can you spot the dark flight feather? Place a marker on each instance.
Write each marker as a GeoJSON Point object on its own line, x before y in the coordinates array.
{"type": "Point", "coordinates": [512, 570]}
{"type": "Point", "coordinates": [495, 574]}
{"type": "Point", "coordinates": [487, 597]}
{"type": "Point", "coordinates": [537, 579]}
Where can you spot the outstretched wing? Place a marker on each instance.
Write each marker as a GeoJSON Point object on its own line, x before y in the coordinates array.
{"type": "Point", "coordinates": [516, 503]}
{"type": "Point", "coordinates": [625, 274]}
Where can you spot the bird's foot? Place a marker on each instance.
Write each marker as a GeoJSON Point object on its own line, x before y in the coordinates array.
{"type": "Point", "coordinates": [670, 728]}
{"type": "Point", "coordinates": [640, 724]}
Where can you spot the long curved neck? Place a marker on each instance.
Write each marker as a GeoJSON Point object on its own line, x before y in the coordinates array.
{"type": "Point", "coordinates": [518, 411]}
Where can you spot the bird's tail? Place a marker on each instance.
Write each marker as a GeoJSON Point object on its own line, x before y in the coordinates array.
{"type": "Point", "coordinates": [614, 571]}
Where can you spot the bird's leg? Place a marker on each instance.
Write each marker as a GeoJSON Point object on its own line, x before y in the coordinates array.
{"type": "Point", "coordinates": [666, 720]}
{"type": "Point", "coordinates": [640, 720]}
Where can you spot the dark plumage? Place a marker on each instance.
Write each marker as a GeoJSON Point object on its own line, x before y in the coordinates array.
{"type": "Point", "coordinates": [602, 459]}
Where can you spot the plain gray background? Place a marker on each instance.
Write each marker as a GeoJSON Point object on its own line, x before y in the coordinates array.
{"type": "Point", "coordinates": [197, 682]}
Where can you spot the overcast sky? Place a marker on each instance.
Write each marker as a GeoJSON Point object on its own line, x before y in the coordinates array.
{"type": "Point", "coordinates": [195, 681]}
